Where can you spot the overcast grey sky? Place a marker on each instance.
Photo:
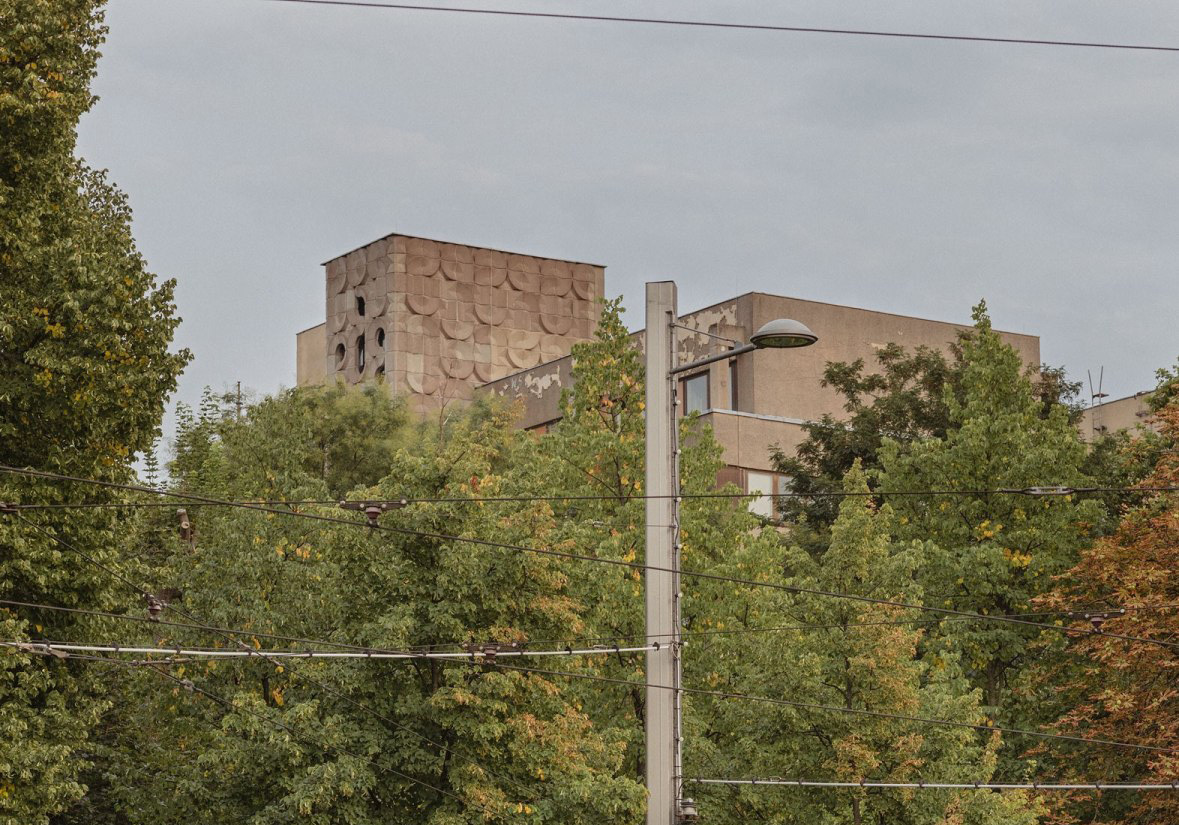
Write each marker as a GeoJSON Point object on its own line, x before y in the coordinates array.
{"type": "Point", "coordinates": [257, 139]}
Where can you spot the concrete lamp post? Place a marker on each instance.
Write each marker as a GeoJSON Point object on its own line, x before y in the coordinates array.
{"type": "Point", "coordinates": [666, 804]}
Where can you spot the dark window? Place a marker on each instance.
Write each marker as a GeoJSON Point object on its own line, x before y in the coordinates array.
{"type": "Point", "coordinates": [733, 385]}
{"type": "Point", "coordinates": [381, 371]}
{"type": "Point", "coordinates": [381, 338]}
{"type": "Point", "coordinates": [340, 353]}
{"type": "Point", "coordinates": [360, 354]}
{"type": "Point", "coordinates": [694, 391]}
{"type": "Point", "coordinates": [360, 305]}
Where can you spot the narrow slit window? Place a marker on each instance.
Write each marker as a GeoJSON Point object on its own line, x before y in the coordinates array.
{"type": "Point", "coordinates": [381, 338]}
{"type": "Point", "coordinates": [694, 391]}
{"type": "Point", "coordinates": [341, 353]}
{"type": "Point", "coordinates": [360, 305]}
{"type": "Point", "coordinates": [360, 354]}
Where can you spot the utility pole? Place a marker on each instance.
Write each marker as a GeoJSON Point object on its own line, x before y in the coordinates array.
{"type": "Point", "coordinates": [666, 804]}
{"type": "Point", "coordinates": [662, 587]}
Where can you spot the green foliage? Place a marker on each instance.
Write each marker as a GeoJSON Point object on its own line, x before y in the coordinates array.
{"type": "Point", "coordinates": [905, 399]}
{"type": "Point", "coordinates": [1113, 688]}
{"type": "Point", "coordinates": [84, 373]}
{"type": "Point", "coordinates": [991, 553]}
{"type": "Point", "coordinates": [332, 438]}
{"type": "Point", "coordinates": [856, 656]}
{"type": "Point", "coordinates": [1166, 390]}
{"type": "Point", "coordinates": [444, 742]}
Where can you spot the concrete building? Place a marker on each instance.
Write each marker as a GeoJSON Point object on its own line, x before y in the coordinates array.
{"type": "Point", "coordinates": [441, 321]}
{"type": "Point", "coordinates": [436, 320]}
{"type": "Point", "coordinates": [761, 399]}
{"type": "Point", "coordinates": [1127, 413]}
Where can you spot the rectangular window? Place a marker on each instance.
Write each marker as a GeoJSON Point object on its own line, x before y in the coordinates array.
{"type": "Point", "coordinates": [760, 483]}
{"type": "Point", "coordinates": [771, 484]}
{"type": "Point", "coordinates": [694, 391]}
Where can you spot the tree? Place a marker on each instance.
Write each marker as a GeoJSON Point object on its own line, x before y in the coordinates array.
{"type": "Point", "coordinates": [430, 741]}
{"type": "Point", "coordinates": [903, 399]}
{"type": "Point", "coordinates": [847, 654]}
{"type": "Point", "coordinates": [334, 438]}
{"type": "Point", "coordinates": [1115, 689]}
{"type": "Point", "coordinates": [84, 372]}
{"type": "Point", "coordinates": [991, 552]}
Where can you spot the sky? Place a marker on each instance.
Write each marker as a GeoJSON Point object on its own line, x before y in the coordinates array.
{"type": "Point", "coordinates": [257, 139]}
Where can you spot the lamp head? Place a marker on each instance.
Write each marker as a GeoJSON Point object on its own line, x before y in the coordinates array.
{"type": "Point", "coordinates": [783, 333]}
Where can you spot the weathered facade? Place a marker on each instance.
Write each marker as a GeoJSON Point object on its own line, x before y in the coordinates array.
{"type": "Point", "coordinates": [761, 399]}
{"type": "Point", "coordinates": [441, 321]}
{"type": "Point", "coordinates": [1127, 413]}
{"type": "Point", "coordinates": [436, 320]}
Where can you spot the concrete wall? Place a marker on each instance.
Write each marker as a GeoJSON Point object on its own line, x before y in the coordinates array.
{"type": "Point", "coordinates": [787, 382]}
{"type": "Point", "coordinates": [310, 366]}
{"type": "Point", "coordinates": [441, 319]}
{"type": "Point", "coordinates": [777, 390]}
{"type": "Point", "coordinates": [1121, 414]}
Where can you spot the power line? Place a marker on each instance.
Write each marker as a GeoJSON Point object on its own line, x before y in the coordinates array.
{"type": "Point", "coordinates": [562, 554]}
{"type": "Point", "coordinates": [960, 786]}
{"type": "Point", "coordinates": [720, 694]}
{"type": "Point", "coordinates": [327, 688]}
{"type": "Point", "coordinates": [44, 650]}
{"type": "Point", "coordinates": [187, 684]}
{"type": "Point", "coordinates": [488, 653]}
{"type": "Point", "coordinates": [740, 26]}
{"type": "Point", "coordinates": [1035, 491]}
{"type": "Point", "coordinates": [613, 641]}
{"type": "Point", "coordinates": [219, 631]}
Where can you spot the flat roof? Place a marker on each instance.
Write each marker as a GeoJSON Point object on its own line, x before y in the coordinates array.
{"type": "Point", "coordinates": [842, 306]}
{"type": "Point", "coordinates": [313, 326]}
{"type": "Point", "coordinates": [473, 246]}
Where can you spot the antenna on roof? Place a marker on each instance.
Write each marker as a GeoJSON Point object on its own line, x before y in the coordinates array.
{"type": "Point", "coordinates": [1095, 395]}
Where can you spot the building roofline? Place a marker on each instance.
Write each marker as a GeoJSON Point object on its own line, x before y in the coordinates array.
{"type": "Point", "coordinates": [789, 298]}
{"type": "Point", "coordinates": [1136, 395]}
{"type": "Point", "coordinates": [840, 306]}
{"type": "Point", "coordinates": [313, 326]}
{"type": "Point", "coordinates": [526, 369]}
{"type": "Point", "coordinates": [473, 246]}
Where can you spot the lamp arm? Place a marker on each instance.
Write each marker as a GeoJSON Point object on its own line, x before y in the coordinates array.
{"type": "Point", "coordinates": [720, 356]}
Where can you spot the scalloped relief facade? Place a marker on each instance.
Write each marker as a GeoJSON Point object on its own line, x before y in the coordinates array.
{"type": "Point", "coordinates": [436, 320]}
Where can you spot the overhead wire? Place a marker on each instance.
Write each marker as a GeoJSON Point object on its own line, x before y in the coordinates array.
{"type": "Point", "coordinates": [1035, 491]}
{"type": "Point", "coordinates": [748, 697]}
{"type": "Point", "coordinates": [488, 653]}
{"type": "Point", "coordinates": [633, 565]}
{"type": "Point", "coordinates": [190, 686]}
{"type": "Point", "coordinates": [962, 786]}
{"type": "Point", "coordinates": [709, 24]}
{"type": "Point", "coordinates": [322, 686]}
{"type": "Point", "coordinates": [612, 641]}
{"type": "Point", "coordinates": [720, 694]}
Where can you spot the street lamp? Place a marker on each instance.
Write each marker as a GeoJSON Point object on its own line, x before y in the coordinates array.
{"type": "Point", "coordinates": [666, 804]}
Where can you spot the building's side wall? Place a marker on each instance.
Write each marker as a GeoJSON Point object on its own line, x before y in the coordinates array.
{"type": "Point", "coordinates": [777, 390]}
{"type": "Point", "coordinates": [310, 364]}
{"type": "Point", "coordinates": [1121, 414]}
{"type": "Point", "coordinates": [536, 390]}
{"type": "Point", "coordinates": [790, 383]}
{"type": "Point", "coordinates": [453, 317]}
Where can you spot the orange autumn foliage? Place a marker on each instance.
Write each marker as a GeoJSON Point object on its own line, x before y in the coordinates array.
{"type": "Point", "coordinates": [1127, 691]}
